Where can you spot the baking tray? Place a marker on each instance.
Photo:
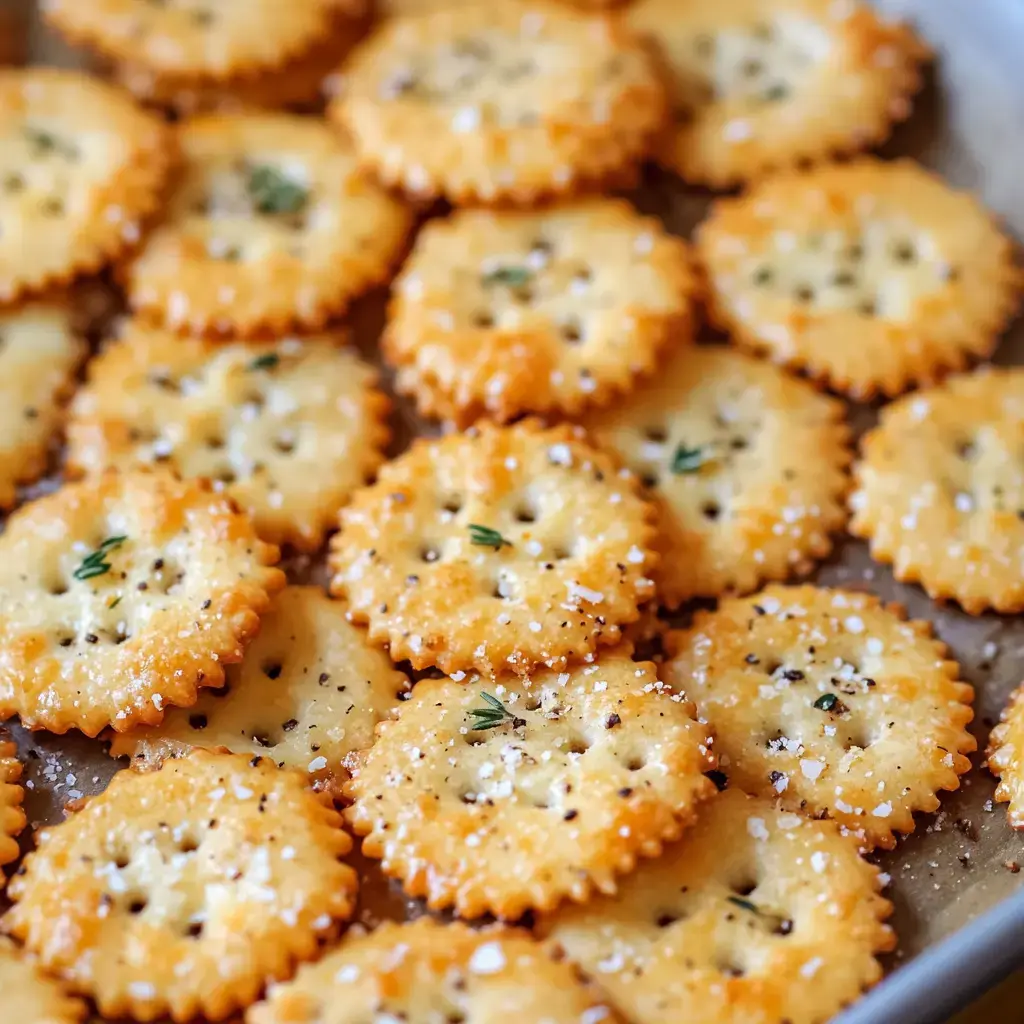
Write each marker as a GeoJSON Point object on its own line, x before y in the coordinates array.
{"type": "Point", "coordinates": [959, 906]}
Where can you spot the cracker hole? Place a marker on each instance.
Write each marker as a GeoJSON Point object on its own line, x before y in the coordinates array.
{"type": "Point", "coordinates": [855, 251]}
{"type": "Point", "coordinates": [188, 844]}
{"type": "Point", "coordinates": [650, 479]}
{"type": "Point", "coordinates": [453, 505]}
{"type": "Point", "coordinates": [285, 443]}
{"type": "Point", "coordinates": [504, 589]}
{"type": "Point", "coordinates": [656, 435]}
{"type": "Point", "coordinates": [525, 514]}
{"type": "Point", "coordinates": [541, 251]}
{"type": "Point", "coordinates": [667, 918]}
{"type": "Point", "coordinates": [751, 67]}
{"type": "Point", "coordinates": [13, 182]}
{"type": "Point", "coordinates": [272, 669]}
{"type": "Point", "coordinates": [775, 93]}
{"type": "Point", "coordinates": [703, 45]}
{"type": "Point", "coordinates": [744, 887]}
{"type": "Point", "coordinates": [137, 904]}
{"type": "Point", "coordinates": [844, 279]}
{"type": "Point", "coordinates": [867, 308]}
{"type": "Point", "coordinates": [711, 510]}
{"type": "Point", "coordinates": [195, 930]}
{"type": "Point", "coordinates": [635, 763]}
{"type": "Point", "coordinates": [533, 703]}
{"type": "Point", "coordinates": [53, 206]}
{"type": "Point", "coordinates": [904, 252]}
{"type": "Point", "coordinates": [763, 276]}
{"type": "Point", "coordinates": [966, 450]}
{"type": "Point", "coordinates": [578, 745]}
{"type": "Point", "coordinates": [572, 331]}
{"type": "Point", "coordinates": [730, 966]}
{"type": "Point", "coordinates": [482, 319]}
{"type": "Point", "coordinates": [429, 554]}
{"type": "Point", "coordinates": [583, 276]}
{"type": "Point", "coordinates": [215, 443]}
{"type": "Point", "coordinates": [739, 444]}
{"type": "Point", "coordinates": [121, 860]}
{"type": "Point", "coordinates": [561, 552]}
{"type": "Point", "coordinates": [226, 476]}
{"type": "Point", "coordinates": [803, 293]}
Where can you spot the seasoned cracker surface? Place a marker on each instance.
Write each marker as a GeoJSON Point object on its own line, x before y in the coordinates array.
{"type": "Point", "coordinates": [12, 817]}
{"type": "Point", "coordinates": [501, 313]}
{"type": "Point", "coordinates": [501, 102]}
{"type": "Point", "coordinates": [500, 796]}
{"type": "Point", "coordinates": [81, 167]}
{"type": "Point", "coordinates": [288, 429]}
{"type": "Point", "coordinates": [757, 86]}
{"type": "Point", "coordinates": [504, 548]}
{"type": "Point", "coordinates": [1006, 758]}
{"type": "Point", "coordinates": [869, 276]}
{"type": "Point", "coordinates": [759, 916]}
{"type": "Point", "coordinates": [748, 466]}
{"type": "Point", "coordinates": [183, 891]}
{"type": "Point", "coordinates": [309, 691]}
{"type": "Point", "coordinates": [940, 490]}
{"type": "Point", "coordinates": [39, 351]}
{"type": "Point", "coordinates": [124, 594]}
{"type": "Point", "coordinates": [30, 997]}
{"type": "Point", "coordinates": [425, 972]}
{"type": "Point", "coordinates": [831, 702]}
{"type": "Point", "coordinates": [270, 227]}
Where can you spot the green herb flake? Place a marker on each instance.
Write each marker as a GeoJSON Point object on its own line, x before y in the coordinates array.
{"type": "Point", "coordinates": [745, 904]}
{"type": "Point", "coordinates": [688, 460]}
{"type": "Point", "coordinates": [511, 277]}
{"type": "Point", "coordinates": [95, 563]}
{"type": "Point", "coordinates": [486, 537]}
{"type": "Point", "coordinates": [272, 191]}
{"type": "Point", "coordinates": [827, 702]}
{"type": "Point", "coordinates": [267, 361]}
{"type": "Point", "coordinates": [492, 716]}
{"type": "Point", "coordinates": [43, 143]}
{"type": "Point", "coordinates": [115, 602]}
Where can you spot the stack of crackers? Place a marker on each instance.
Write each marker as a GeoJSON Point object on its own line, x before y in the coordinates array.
{"type": "Point", "coordinates": [587, 835]}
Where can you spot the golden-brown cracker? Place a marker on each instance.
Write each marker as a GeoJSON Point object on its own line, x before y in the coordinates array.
{"type": "Point", "coordinates": [870, 276]}
{"type": "Point", "coordinates": [939, 492]}
{"type": "Point", "coordinates": [308, 692]}
{"type": "Point", "coordinates": [759, 915]}
{"type": "Point", "coordinates": [30, 997]}
{"type": "Point", "coordinates": [288, 429]}
{"type": "Point", "coordinates": [80, 168]}
{"type": "Point", "coordinates": [184, 891]}
{"type": "Point", "coordinates": [831, 702]}
{"type": "Point", "coordinates": [748, 466]}
{"type": "Point", "coordinates": [424, 971]}
{"type": "Point", "coordinates": [270, 227]}
{"type": "Point", "coordinates": [501, 102]}
{"type": "Point", "coordinates": [758, 86]}
{"type": "Point", "coordinates": [1006, 758]}
{"type": "Point", "coordinates": [502, 313]}
{"type": "Point", "coordinates": [39, 352]}
{"type": "Point", "coordinates": [509, 794]}
{"type": "Point", "coordinates": [121, 595]}
{"type": "Point", "coordinates": [503, 548]}
{"type": "Point", "coordinates": [396, 8]}
{"type": "Point", "coordinates": [12, 817]}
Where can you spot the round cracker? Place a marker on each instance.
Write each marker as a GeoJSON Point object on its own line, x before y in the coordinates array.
{"type": "Point", "coordinates": [505, 313]}
{"type": "Point", "coordinates": [184, 891]}
{"type": "Point", "coordinates": [504, 796]}
{"type": "Point", "coordinates": [758, 915]}
{"type": "Point", "coordinates": [30, 997]}
{"type": "Point", "coordinates": [939, 492]}
{"type": "Point", "coordinates": [122, 594]}
{"type": "Point", "coordinates": [869, 276]}
{"type": "Point", "coordinates": [501, 102]}
{"type": "Point", "coordinates": [39, 353]}
{"type": "Point", "coordinates": [830, 701]}
{"type": "Point", "coordinates": [1006, 758]}
{"type": "Point", "coordinates": [748, 466]}
{"type": "Point", "coordinates": [503, 548]}
{"type": "Point", "coordinates": [270, 227]}
{"type": "Point", "coordinates": [12, 817]}
{"type": "Point", "coordinates": [81, 168]}
{"type": "Point", "coordinates": [288, 429]}
{"type": "Point", "coordinates": [424, 971]}
{"type": "Point", "coordinates": [309, 691]}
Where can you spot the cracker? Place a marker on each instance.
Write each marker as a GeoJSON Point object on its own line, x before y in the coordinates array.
{"type": "Point", "coordinates": [939, 494]}
{"type": "Point", "coordinates": [502, 548]}
{"type": "Point", "coordinates": [748, 466]}
{"type": "Point", "coordinates": [81, 167]}
{"type": "Point", "coordinates": [425, 972]}
{"type": "Point", "coordinates": [39, 352]}
{"type": "Point", "coordinates": [121, 595]}
{"type": "Point", "coordinates": [758, 915]}
{"type": "Point", "coordinates": [501, 102]}
{"type": "Point", "coordinates": [503, 313]}
{"type": "Point", "coordinates": [12, 817]}
{"type": "Point", "coordinates": [831, 702]}
{"type": "Point", "coordinates": [271, 227]}
{"type": "Point", "coordinates": [288, 429]}
{"type": "Point", "coordinates": [1006, 758]}
{"type": "Point", "coordinates": [870, 277]}
{"type": "Point", "coordinates": [309, 691]}
{"type": "Point", "coordinates": [501, 796]}
{"type": "Point", "coordinates": [30, 997]}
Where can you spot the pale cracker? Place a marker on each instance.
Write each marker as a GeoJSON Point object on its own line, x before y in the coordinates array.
{"type": "Point", "coordinates": [830, 701]}
{"type": "Point", "coordinates": [869, 276]}
{"type": "Point", "coordinates": [30, 997]}
{"type": "Point", "coordinates": [396, 8]}
{"type": "Point", "coordinates": [506, 547]}
{"type": "Point", "coordinates": [1006, 758]}
{"type": "Point", "coordinates": [425, 972]}
{"type": "Point", "coordinates": [184, 891]}
{"type": "Point", "coordinates": [81, 167]}
{"type": "Point", "coordinates": [748, 466]}
{"type": "Point", "coordinates": [309, 691]}
{"type": "Point", "coordinates": [940, 490]}
{"type": "Point", "coordinates": [504, 313]}
{"type": "Point", "coordinates": [501, 796]}
{"type": "Point", "coordinates": [758, 915]}
{"type": "Point", "coordinates": [288, 429]}
{"type": "Point", "coordinates": [12, 817]}
{"type": "Point", "coordinates": [122, 595]}
{"type": "Point", "coordinates": [270, 227]}
{"type": "Point", "coordinates": [501, 102]}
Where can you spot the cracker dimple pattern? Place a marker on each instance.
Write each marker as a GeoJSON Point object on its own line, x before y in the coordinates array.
{"type": "Point", "coordinates": [758, 915]}
{"type": "Point", "coordinates": [1006, 758]}
{"type": "Point", "coordinates": [504, 313]}
{"type": "Point", "coordinates": [507, 547]}
{"type": "Point", "coordinates": [586, 772]}
{"type": "Point", "coordinates": [123, 594]}
{"type": "Point", "coordinates": [30, 997]}
{"type": "Point", "coordinates": [501, 102]}
{"type": "Point", "coordinates": [425, 971]}
{"type": "Point", "coordinates": [183, 891]}
{"type": "Point", "coordinates": [12, 817]}
{"type": "Point", "coordinates": [748, 466]}
{"type": "Point", "coordinates": [831, 702]}
{"type": "Point", "coordinates": [870, 276]}
{"type": "Point", "coordinates": [288, 429]}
